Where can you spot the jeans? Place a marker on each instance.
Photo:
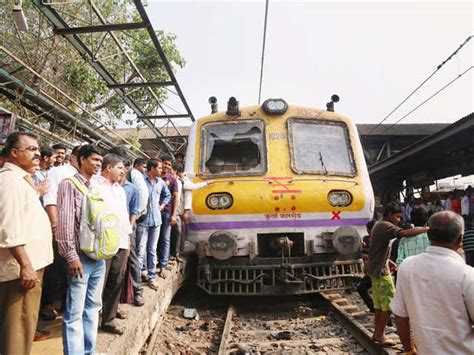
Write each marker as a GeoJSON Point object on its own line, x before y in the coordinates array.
{"type": "Point", "coordinates": [164, 241]}
{"type": "Point", "coordinates": [147, 240]}
{"type": "Point", "coordinates": [83, 303]}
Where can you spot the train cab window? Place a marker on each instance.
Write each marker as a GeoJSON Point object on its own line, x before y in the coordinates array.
{"type": "Point", "coordinates": [233, 148]}
{"type": "Point", "coordinates": [320, 147]}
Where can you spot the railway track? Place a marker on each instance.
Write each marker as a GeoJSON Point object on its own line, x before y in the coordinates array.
{"type": "Point", "coordinates": [298, 329]}
{"type": "Point", "coordinates": [360, 323]}
{"type": "Point", "coordinates": [328, 323]}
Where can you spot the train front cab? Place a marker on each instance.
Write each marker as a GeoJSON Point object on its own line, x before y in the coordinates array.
{"type": "Point", "coordinates": [287, 207]}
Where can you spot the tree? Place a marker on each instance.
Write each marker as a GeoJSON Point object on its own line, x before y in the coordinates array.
{"type": "Point", "coordinates": [57, 61]}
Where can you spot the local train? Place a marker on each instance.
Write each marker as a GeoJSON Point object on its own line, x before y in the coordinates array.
{"type": "Point", "coordinates": [289, 199]}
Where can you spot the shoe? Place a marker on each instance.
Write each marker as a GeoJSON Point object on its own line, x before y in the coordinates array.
{"type": "Point", "coordinates": [145, 278]}
{"type": "Point", "coordinates": [162, 274]}
{"type": "Point", "coordinates": [169, 267]}
{"type": "Point", "coordinates": [121, 315]}
{"type": "Point", "coordinates": [48, 312]}
{"type": "Point", "coordinates": [112, 328]}
{"type": "Point", "coordinates": [41, 335]}
{"type": "Point", "coordinates": [138, 302]}
{"type": "Point", "coordinates": [153, 284]}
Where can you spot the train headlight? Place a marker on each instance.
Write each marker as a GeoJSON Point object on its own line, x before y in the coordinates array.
{"type": "Point", "coordinates": [339, 198]}
{"type": "Point", "coordinates": [222, 245]}
{"type": "Point", "coordinates": [275, 106]}
{"type": "Point", "coordinates": [346, 240]}
{"type": "Point", "coordinates": [219, 201]}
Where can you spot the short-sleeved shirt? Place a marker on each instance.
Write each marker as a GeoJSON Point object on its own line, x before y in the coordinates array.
{"type": "Point", "coordinates": [172, 185]}
{"type": "Point", "coordinates": [412, 246]}
{"type": "Point", "coordinates": [435, 290]}
{"type": "Point", "coordinates": [382, 233]}
{"type": "Point", "coordinates": [55, 176]}
{"type": "Point", "coordinates": [23, 222]}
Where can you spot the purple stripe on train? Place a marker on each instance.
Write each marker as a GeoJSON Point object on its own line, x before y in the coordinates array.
{"type": "Point", "coordinates": [279, 224]}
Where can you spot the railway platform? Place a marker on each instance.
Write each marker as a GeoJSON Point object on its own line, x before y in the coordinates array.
{"type": "Point", "coordinates": [138, 326]}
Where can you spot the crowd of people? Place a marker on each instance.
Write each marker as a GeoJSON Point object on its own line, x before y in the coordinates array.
{"type": "Point", "coordinates": [415, 256]}
{"type": "Point", "coordinates": [50, 204]}
{"type": "Point", "coordinates": [422, 270]}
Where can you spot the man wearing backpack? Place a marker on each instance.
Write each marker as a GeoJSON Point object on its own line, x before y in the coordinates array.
{"type": "Point", "coordinates": [85, 275]}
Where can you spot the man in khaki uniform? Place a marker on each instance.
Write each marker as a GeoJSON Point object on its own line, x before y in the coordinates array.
{"type": "Point", "coordinates": [25, 245]}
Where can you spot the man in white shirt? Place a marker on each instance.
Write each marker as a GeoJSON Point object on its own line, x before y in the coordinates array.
{"type": "Point", "coordinates": [55, 176]}
{"type": "Point", "coordinates": [113, 170]}
{"type": "Point", "coordinates": [435, 293]}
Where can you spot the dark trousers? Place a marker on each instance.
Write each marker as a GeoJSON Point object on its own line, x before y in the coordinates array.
{"type": "Point", "coordinates": [134, 265]}
{"type": "Point", "coordinates": [363, 289]}
{"type": "Point", "coordinates": [114, 281]}
{"type": "Point", "coordinates": [469, 257]}
{"type": "Point", "coordinates": [175, 242]}
{"type": "Point", "coordinates": [55, 280]}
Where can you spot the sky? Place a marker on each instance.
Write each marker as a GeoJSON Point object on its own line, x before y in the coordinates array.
{"type": "Point", "coordinates": [372, 54]}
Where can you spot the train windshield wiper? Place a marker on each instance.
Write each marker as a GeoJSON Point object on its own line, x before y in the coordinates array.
{"type": "Point", "coordinates": [322, 163]}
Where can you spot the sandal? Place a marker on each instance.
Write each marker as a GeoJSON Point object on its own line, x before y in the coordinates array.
{"type": "Point", "coordinates": [162, 274]}
{"type": "Point", "coordinates": [386, 341]}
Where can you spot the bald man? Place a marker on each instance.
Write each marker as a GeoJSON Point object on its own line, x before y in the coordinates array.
{"type": "Point", "coordinates": [435, 293]}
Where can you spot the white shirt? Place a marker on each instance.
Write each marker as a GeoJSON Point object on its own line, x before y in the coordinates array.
{"type": "Point", "coordinates": [436, 291]}
{"type": "Point", "coordinates": [23, 221]}
{"type": "Point", "coordinates": [55, 176]}
{"type": "Point", "coordinates": [465, 205]}
{"type": "Point", "coordinates": [115, 198]}
{"type": "Point", "coordinates": [139, 181]}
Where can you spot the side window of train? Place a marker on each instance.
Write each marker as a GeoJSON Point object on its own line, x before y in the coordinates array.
{"type": "Point", "coordinates": [320, 147]}
{"type": "Point", "coordinates": [233, 148]}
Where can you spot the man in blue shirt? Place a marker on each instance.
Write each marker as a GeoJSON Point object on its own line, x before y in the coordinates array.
{"type": "Point", "coordinates": [168, 216]}
{"type": "Point", "coordinates": [148, 230]}
{"type": "Point", "coordinates": [131, 191]}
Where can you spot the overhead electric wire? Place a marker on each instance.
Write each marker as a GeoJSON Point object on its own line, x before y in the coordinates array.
{"type": "Point", "coordinates": [423, 83]}
{"type": "Point", "coordinates": [429, 98]}
{"type": "Point", "coordinates": [263, 51]}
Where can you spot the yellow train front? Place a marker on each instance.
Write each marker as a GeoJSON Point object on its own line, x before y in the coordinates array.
{"type": "Point", "coordinates": [289, 200]}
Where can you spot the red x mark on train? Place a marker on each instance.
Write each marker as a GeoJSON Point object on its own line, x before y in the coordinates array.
{"type": "Point", "coordinates": [336, 215]}
{"type": "Point", "coordinates": [283, 183]}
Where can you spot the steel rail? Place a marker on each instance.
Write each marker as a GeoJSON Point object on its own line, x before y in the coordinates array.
{"type": "Point", "coordinates": [360, 333]}
{"type": "Point", "coordinates": [226, 331]}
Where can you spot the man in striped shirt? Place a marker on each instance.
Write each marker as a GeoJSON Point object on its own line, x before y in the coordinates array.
{"type": "Point", "coordinates": [85, 276]}
{"type": "Point", "coordinates": [468, 243]}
